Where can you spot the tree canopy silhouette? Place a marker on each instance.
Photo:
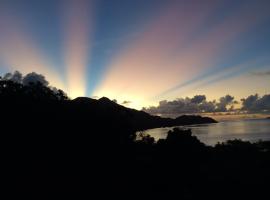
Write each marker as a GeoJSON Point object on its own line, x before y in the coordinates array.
{"type": "Point", "coordinates": [30, 87]}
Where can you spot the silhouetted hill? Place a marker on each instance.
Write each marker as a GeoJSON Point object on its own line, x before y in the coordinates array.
{"type": "Point", "coordinates": [138, 120]}
{"type": "Point", "coordinates": [42, 101]}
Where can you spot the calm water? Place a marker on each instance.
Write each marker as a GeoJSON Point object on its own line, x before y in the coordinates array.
{"type": "Point", "coordinates": [251, 130]}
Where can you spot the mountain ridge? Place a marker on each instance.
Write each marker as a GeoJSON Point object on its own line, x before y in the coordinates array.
{"type": "Point", "coordinates": [139, 120]}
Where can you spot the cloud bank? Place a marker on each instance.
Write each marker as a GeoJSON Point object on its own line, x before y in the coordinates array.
{"type": "Point", "coordinates": [255, 103]}
{"type": "Point", "coordinates": [200, 104]}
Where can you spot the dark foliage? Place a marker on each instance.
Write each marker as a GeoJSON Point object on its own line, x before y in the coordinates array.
{"type": "Point", "coordinates": [56, 147]}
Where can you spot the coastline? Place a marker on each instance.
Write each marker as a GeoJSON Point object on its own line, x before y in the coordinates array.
{"type": "Point", "coordinates": [226, 116]}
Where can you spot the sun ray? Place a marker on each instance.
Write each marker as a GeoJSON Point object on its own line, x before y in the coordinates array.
{"type": "Point", "coordinates": [78, 14]}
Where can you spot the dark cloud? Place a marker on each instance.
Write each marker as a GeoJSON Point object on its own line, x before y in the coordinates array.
{"type": "Point", "coordinates": [224, 102]}
{"type": "Point", "coordinates": [261, 73]}
{"type": "Point", "coordinates": [197, 104]}
{"type": "Point", "coordinates": [126, 102]}
{"type": "Point", "coordinates": [249, 102]}
{"type": "Point", "coordinates": [34, 78]}
{"type": "Point", "coordinates": [27, 79]}
{"type": "Point", "coordinates": [255, 103]}
{"type": "Point", "coordinates": [207, 106]}
{"type": "Point", "coordinates": [198, 99]}
{"type": "Point", "coordinates": [15, 77]}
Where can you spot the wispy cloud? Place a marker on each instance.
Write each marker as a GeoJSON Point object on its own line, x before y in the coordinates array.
{"type": "Point", "coordinates": [261, 73]}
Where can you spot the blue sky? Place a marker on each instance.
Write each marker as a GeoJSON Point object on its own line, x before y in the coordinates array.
{"type": "Point", "coordinates": [139, 50]}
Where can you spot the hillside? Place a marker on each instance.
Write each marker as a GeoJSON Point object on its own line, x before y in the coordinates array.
{"type": "Point", "coordinates": [138, 120]}
{"type": "Point", "coordinates": [44, 107]}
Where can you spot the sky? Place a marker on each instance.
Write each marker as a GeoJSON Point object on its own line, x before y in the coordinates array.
{"type": "Point", "coordinates": [140, 51]}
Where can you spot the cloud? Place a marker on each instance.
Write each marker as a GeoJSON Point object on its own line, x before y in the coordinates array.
{"type": "Point", "coordinates": [224, 102]}
{"type": "Point", "coordinates": [34, 78]}
{"type": "Point", "coordinates": [15, 77]}
{"type": "Point", "coordinates": [261, 73]}
{"type": "Point", "coordinates": [197, 104]}
{"type": "Point", "coordinates": [27, 79]}
{"type": "Point", "coordinates": [126, 102]}
{"type": "Point", "coordinates": [255, 103]}
{"type": "Point", "coordinates": [198, 99]}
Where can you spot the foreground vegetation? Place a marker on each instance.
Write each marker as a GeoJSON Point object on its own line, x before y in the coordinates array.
{"type": "Point", "coordinates": [55, 147]}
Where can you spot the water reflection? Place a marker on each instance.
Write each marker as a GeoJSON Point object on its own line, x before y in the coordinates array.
{"type": "Point", "coordinates": [251, 130]}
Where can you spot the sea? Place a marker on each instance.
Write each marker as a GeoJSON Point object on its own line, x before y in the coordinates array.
{"type": "Point", "coordinates": [252, 130]}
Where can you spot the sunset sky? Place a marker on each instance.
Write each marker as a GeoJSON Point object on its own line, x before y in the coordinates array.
{"type": "Point", "coordinates": [140, 51]}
